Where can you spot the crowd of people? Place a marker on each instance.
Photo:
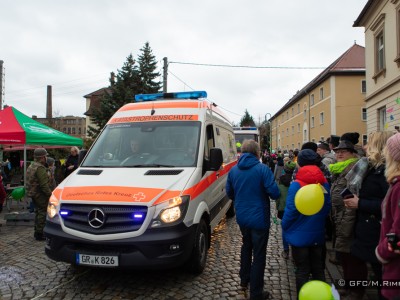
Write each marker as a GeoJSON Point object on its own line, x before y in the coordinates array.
{"type": "Point", "coordinates": [360, 212]}
{"type": "Point", "coordinates": [43, 174]}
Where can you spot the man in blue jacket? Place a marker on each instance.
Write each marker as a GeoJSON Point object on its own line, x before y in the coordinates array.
{"type": "Point", "coordinates": [304, 233]}
{"type": "Point", "coordinates": [250, 185]}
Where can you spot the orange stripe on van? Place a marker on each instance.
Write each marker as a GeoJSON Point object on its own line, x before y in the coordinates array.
{"type": "Point", "coordinates": [133, 119]}
{"type": "Point", "coordinates": [135, 194]}
{"type": "Point", "coordinates": [161, 104]}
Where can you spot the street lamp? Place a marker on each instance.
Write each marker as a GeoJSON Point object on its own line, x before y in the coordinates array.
{"type": "Point", "coordinates": [270, 130]}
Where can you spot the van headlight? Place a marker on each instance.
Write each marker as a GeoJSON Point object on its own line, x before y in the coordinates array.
{"type": "Point", "coordinates": [52, 207]}
{"type": "Point", "coordinates": [171, 211]}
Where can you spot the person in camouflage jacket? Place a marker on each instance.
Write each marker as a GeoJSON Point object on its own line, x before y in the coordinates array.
{"type": "Point", "coordinates": [38, 189]}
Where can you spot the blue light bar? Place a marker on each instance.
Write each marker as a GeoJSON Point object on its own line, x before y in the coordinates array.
{"type": "Point", "coordinates": [178, 95]}
{"type": "Point", "coordinates": [244, 128]}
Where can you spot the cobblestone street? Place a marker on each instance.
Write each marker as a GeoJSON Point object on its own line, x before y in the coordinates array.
{"type": "Point", "coordinates": [27, 273]}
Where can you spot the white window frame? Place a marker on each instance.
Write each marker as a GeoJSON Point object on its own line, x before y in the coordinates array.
{"type": "Point", "coordinates": [311, 99]}
{"type": "Point", "coordinates": [364, 114]}
{"type": "Point", "coordinates": [321, 93]}
{"type": "Point", "coordinates": [312, 122]}
{"type": "Point", "coordinates": [321, 118]}
{"type": "Point", "coordinates": [363, 86]}
{"type": "Point", "coordinates": [381, 118]}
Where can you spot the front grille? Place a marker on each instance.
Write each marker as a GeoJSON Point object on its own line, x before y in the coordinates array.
{"type": "Point", "coordinates": [117, 218]}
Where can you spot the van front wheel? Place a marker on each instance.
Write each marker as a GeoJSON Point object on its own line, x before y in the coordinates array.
{"type": "Point", "coordinates": [197, 261]}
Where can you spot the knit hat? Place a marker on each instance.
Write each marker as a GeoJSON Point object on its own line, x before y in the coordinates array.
{"type": "Point", "coordinates": [50, 161]}
{"type": "Point", "coordinates": [351, 137]}
{"type": "Point", "coordinates": [308, 157]}
{"type": "Point", "coordinates": [334, 140]}
{"type": "Point", "coordinates": [39, 152]}
{"type": "Point", "coordinates": [309, 145]}
{"type": "Point", "coordinates": [393, 146]}
{"type": "Point", "coordinates": [289, 167]}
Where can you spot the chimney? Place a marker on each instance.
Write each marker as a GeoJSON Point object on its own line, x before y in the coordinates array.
{"type": "Point", "coordinates": [49, 108]}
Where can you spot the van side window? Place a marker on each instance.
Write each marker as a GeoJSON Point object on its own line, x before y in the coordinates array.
{"type": "Point", "coordinates": [209, 143]}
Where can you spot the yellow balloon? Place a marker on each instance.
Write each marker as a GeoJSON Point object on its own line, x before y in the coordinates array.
{"type": "Point", "coordinates": [316, 290]}
{"type": "Point", "coordinates": [309, 199]}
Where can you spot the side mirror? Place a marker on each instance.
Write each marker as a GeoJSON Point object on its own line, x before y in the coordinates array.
{"type": "Point", "coordinates": [216, 159]}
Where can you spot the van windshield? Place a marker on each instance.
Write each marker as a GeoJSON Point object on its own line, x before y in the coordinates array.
{"type": "Point", "coordinates": [146, 144]}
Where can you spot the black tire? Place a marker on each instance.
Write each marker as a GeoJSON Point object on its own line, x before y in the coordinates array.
{"type": "Point", "coordinates": [198, 259]}
{"type": "Point", "coordinates": [230, 213]}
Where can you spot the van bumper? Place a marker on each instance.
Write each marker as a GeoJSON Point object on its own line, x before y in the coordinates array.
{"type": "Point", "coordinates": [155, 249]}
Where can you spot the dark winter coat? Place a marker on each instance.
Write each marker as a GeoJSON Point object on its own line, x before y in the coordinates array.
{"type": "Point", "coordinates": [343, 218]}
{"type": "Point", "coordinates": [301, 230]}
{"type": "Point", "coordinates": [250, 184]}
{"type": "Point", "coordinates": [72, 160]}
{"type": "Point", "coordinates": [367, 226]}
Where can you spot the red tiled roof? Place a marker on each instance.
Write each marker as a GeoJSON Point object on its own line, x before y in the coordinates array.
{"type": "Point", "coordinates": [350, 62]}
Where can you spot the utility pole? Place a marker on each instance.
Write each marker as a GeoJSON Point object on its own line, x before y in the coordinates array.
{"type": "Point", "coordinates": [1, 84]}
{"type": "Point", "coordinates": [165, 74]}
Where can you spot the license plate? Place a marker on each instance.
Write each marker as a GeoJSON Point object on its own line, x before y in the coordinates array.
{"type": "Point", "coordinates": [97, 260]}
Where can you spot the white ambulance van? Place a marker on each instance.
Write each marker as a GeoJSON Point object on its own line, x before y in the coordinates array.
{"type": "Point", "coordinates": [151, 189]}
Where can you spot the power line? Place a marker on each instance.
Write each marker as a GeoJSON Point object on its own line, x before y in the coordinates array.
{"type": "Point", "coordinates": [246, 67]}
{"type": "Point", "coordinates": [169, 72]}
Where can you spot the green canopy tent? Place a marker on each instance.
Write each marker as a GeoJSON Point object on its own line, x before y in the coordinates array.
{"type": "Point", "coordinates": [19, 132]}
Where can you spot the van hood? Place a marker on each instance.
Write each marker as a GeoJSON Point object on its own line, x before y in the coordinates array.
{"type": "Point", "coordinates": [124, 185]}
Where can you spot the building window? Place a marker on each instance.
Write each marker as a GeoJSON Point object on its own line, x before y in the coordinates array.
{"type": "Point", "coordinates": [298, 108]}
{"type": "Point", "coordinates": [311, 99]}
{"type": "Point", "coordinates": [79, 130]}
{"type": "Point", "coordinates": [305, 135]}
{"type": "Point", "coordinates": [321, 93]}
{"type": "Point", "coordinates": [380, 52]}
{"type": "Point", "coordinates": [312, 122]}
{"type": "Point", "coordinates": [382, 118]}
{"type": "Point", "coordinates": [364, 139]}
{"type": "Point", "coordinates": [64, 130]}
{"type": "Point", "coordinates": [287, 131]}
{"type": "Point", "coordinates": [292, 129]}
{"type": "Point", "coordinates": [292, 111]}
{"type": "Point", "coordinates": [363, 86]}
{"type": "Point", "coordinates": [364, 114]}
{"type": "Point", "coordinates": [73, 130]}
{"type": "Point", "coordinates": [321, 118]}
{"type": "Point", "coordinates": [287, 115]}
{"type": "Point", "coordinates": [69, 130]}
{"type": "Point", "coordinates": [305, 112]}
{"type": "Point", "coordinates": [298, 127]}
{"type": "Point", "coordinates": [298, 145]}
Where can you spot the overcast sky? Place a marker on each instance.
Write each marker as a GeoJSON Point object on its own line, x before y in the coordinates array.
{"type": "Point", "coordinates": [74, 45]}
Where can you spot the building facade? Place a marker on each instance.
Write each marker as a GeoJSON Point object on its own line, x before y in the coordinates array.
{"type": "Point", "coordinates": [93, 101]}
{"type": "Point", "coordinates": [332, 103]}
{"type": "Point", "coordinates": [381, 20]}
{"type": "Point", "coordinates": [75, 126]}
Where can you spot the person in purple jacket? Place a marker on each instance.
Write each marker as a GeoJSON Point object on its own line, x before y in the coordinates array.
{"type": "Point", "coordinates": [390, 219]}
{"type": "Point", "coordinates": [250, 185]}
{"type": "Point", "coordinates": [306, 234]}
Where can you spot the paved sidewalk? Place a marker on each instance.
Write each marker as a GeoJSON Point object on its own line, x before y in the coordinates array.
{"type": "Point", "coordinates": [26, 272]}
